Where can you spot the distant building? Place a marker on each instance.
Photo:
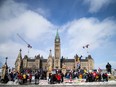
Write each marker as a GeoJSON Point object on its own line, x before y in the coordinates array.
{"type": "Point", "coordinates": [53, 62]}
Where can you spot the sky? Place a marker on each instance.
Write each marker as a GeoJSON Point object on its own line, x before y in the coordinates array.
{"type": "Point", "coordinates": [79, 22]}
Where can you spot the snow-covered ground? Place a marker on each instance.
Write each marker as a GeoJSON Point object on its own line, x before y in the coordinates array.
{"type": "Point", "coordinates": [82, 83]}
{"type": "Point", "coordinates": [44, 82]}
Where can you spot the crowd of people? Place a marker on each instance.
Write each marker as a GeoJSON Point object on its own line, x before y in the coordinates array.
{"type": "Point", "coordinates": [56, 76]}
{"type": "Point", "coordinates": [24, 77]}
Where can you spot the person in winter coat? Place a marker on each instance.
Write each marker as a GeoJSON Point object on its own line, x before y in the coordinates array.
{"type": "Point", "coordinates": [30, 77]}
{"type": "Point", "coordinates": [24, 78]}
{"type": "Point", "coordinates": [37, 75]}
{"type": "Point", "coordinates": [58, 77]}
{"type": "Point", "coordinates": [108, 68]}
{"type": "Point", "coordinates": [20, 78]}
{"type": "Point", "coordinates": [105, 77]}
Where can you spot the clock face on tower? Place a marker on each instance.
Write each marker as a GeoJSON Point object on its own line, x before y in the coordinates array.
{"type": "Point", "coordinates": [57, 40]}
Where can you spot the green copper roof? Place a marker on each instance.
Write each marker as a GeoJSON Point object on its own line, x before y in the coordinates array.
{"type": "Point", "coordinates": [57, 35]}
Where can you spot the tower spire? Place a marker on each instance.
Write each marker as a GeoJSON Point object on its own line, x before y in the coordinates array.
{"type": "Point", "coordinates": [19, 55]}
{"type": "Point", "coordinates": [18, 62]}
{"type": "Point", "coordinates": [57, 38]}
{"type": "Point", "coordinates": [50, 55]}
{"type": "Point", "coordinates": [57, 34]}
{"type": "Point", "coordinates": [57, 52]}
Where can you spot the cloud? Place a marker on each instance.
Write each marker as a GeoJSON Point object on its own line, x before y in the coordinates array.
{"type": "Point", "coordinates": [40, 33]}
{"type": "Point", "coordinates": [43, 12]}
{"type": "Point", "coordinates": [1, 62]}
{"type": "Point", "coordinates": [91, 31]}
{"type": "Point", "coordinates": [30, 23]}
{"type": "Point", "coordinates": [96, 5]}
{"type": "Point", "coordinates": [11, 50]}
{"type": "Point", "coordinates": [33, 27]}
{"type": "Point", "coordinates": [15, 17]}
{"type": "Point", "coordinates": [11, 9]}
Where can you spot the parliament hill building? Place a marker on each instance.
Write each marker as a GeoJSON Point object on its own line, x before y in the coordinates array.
{"type": "Point", "coordinates": [53, 62]}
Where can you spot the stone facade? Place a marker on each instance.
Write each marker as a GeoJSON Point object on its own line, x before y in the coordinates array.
{"type": "Point", "coordinates": [56, 62]}
{"type": "Point", "coordinates": [30, 63]}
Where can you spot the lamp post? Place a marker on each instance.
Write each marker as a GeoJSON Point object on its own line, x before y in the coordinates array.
{"type": "Point", "coordinates": [6, 60]}
{"type": "Point", "coordinates": [6, 66]}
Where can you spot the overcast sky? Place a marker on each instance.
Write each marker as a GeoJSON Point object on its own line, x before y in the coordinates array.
{"type": "Point", "coordinates": [79, 22]}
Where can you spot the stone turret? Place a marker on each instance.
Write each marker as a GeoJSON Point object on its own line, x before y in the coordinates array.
{"type": "Point", "coordinates": [18, 63]}
{"type": "Point", "coordinates": [49, 63]}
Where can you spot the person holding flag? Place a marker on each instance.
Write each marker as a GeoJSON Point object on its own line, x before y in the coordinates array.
{"type": "Point", "coordinates": [78, 62]}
